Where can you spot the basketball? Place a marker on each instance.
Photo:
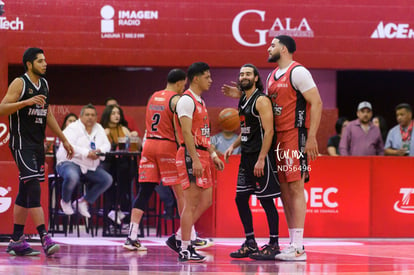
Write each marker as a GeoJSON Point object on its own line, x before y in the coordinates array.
{"type": "Point", "coordinates": [229, 119]}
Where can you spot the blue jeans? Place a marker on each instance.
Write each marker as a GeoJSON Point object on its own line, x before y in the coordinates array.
{"type": "Point", "coordinates": [99, 179]}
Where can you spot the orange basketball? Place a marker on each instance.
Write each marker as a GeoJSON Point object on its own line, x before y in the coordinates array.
{"type": "Point", "coordinates": [229, 119]}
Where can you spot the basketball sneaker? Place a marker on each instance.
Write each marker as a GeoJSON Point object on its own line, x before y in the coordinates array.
{"type": "Point", "coordinates": [134, 245]}
{"type": "Point", "coordinates": [247, 248]}
{"type": "Point", "coordinates": [173, 243]}
{"type": "Point", "coordinates": [190, 255]}
{"type": "Point", "coordinates": [200, 243]}
{"type": "Point", "coordinates": [21, 248]}
{"type": "Point", "coordinates": [268, 252]}
{"type": "Point", "coordinates": [292, 253]}
{"type": "Point", "coordinates": [49, 246]}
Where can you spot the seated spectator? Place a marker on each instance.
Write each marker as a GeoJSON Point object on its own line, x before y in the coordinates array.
{"type": "Point", "coordinates": [223, 140]}
{"type": "Point", "coordinates": [333, 142]}
{"type": "Point", "coordinates": [88, 138]}
{"type": "Point", "coordinates": [399, 140]}
{"type": "Point", "coordinates": [115, 126]}
{"type": "Point", "coordinates": [69, 118]}
{"type": "Point", "coordinates": [132, 126]}
{"type": "Point", "coordinates": [381, 123]}
{"type": "Point", "coordinates": [361, 137]}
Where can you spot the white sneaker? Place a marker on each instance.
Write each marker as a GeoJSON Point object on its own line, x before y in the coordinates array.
{"type": "Point", "coordinates": [120, 216]}
{"type": "Point", "coordinates": [292, 253]}
{"type": "Point", "coordinates": [66, 208]}
{"type": "Point", "coordinates": [82, 208]}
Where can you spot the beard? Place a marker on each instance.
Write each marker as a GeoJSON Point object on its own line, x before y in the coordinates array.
{"type": "Point", "coordinates": [38, 73]}
{"type": "Point", "coordinates": [274, 58]}
{"type": "Point", "coordinates": [245, 84]}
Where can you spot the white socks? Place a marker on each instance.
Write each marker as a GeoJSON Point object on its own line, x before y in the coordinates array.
{"type": "Point", "coordinates": [193, 234]}
{"type": "Point", "coordinates": [133, 231]}
{"type": "Point", "coordinates": [296, 237]}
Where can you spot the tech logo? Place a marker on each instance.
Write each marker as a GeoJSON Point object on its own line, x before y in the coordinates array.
{"type": "Point", "coordinates": [5, 202]}
{"type": "Point", "coordinates": [404, 206]}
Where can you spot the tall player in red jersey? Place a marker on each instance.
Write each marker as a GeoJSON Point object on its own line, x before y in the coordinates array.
{"type": "Point", "coordinates": [297, 108]}
{"type": "Point", "coordinates": [193, 157]}
{"type": "Point", "coordinates": [159, 151]}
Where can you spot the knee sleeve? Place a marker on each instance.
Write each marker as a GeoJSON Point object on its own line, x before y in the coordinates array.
{"type": "Point", "coordinates": [21, 199]}
{"type": "Point", "coordinates": [144, 195]}
{"type": "Point", "coordinates": [32, 189]}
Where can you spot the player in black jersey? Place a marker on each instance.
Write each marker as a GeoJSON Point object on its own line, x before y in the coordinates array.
{"type": "Point", "coordinates": [257, 170]}
{"type": "Point", "coordinates": [27, 104]}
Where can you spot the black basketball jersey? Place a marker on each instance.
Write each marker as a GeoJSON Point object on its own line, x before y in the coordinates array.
{"type": "Point", "coordinates": [27, 125]}
{"type": "Point", "coordinates": [250, 123]}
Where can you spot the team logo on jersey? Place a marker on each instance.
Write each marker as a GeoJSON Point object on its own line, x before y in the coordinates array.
{"type": "Point", "coordinates": [30, 91]}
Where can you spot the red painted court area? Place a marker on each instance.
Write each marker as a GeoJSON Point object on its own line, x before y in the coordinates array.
{"type": "Point", "coordinates": [107, 256]}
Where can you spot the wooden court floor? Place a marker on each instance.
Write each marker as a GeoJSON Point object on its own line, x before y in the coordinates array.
{"type": "Point", "coordinates": [98, 255]}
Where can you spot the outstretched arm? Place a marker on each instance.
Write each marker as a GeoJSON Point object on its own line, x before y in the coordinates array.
{"type": "Point", "coordinates": [231, 90]}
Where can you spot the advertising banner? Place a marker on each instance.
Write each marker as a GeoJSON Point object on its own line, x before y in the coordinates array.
{"type": "Point", "coordinates": [339, 35]}
{"type": "Point", "coordinates": [338, 204]}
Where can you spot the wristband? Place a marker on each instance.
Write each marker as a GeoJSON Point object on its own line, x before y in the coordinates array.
{"type": "Point", "coordinates": [213, 155]}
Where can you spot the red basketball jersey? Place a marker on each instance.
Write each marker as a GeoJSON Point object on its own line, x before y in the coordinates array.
{"type": "Point", "coordinates": [290, 107]}
{"type": "Point", "coordinates": [159, 116]}
{"type": "Point", "coordinates": [201, 124]}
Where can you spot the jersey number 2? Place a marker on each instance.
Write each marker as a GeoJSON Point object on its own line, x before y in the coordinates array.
{"type": "Point", "coordinates": [156, 119]}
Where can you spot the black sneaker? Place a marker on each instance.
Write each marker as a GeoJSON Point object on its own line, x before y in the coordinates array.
{"type": "Point", "coordinates": [190, 255]}
{"type": "Point", "coordinates": [21, 248]}
{"type": "Point", "coordinates": [201, 243]}
{"type": "Point", "coordinates": [173, 243]}
{"type": "Point", "coordinates": [268, 252]}
{"type": "Point", "coordinates": [247, 248]}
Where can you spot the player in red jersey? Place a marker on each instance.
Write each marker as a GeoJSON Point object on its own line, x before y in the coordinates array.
{"type": "Point", "coordinates": [193, 157]}
{"type": "Point", "coordinates": [158, 155]}
{"type": "Point", "coordinates": [297, 108]}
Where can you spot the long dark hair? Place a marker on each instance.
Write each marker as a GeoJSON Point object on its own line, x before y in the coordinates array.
{"type": "Point", "coordinates": [259, 83]}
{"type": "Point", "coordinates": [106, 116]}
{"type": "Point", "coordinates": [66, 119]}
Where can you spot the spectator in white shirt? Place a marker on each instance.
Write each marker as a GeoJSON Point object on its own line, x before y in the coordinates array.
{"type": "Point", "coordinates": [88, 139]}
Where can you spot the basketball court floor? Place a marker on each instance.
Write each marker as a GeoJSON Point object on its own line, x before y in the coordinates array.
{"type": "Point", "coordinates": [97, 255]}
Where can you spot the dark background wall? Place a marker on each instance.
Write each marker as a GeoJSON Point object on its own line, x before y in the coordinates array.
{"type": "Point", "coordinates": [384, 89]}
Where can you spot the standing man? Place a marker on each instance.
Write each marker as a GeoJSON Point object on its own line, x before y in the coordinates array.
{"type": "Point", "coordinates": [27, 104]}
{"type": "Point", "coordinates": [361, 137]}
{"type": "Point", "coordinates": [257, 170]}
{"type": "Point", "coordinates": [158, 155]}
{"type": "Point", "coordinates": [193, 163]}
{"type": "Point", "coordinates": [297, 107]}
{"type": "Point", "coordinates": [400, 141]}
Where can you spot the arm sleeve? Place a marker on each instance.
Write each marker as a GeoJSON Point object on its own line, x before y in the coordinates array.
{"type": "Point", "coordinates": [302, 79]}
{"type": "Point", "coordinates": [185, 107]}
